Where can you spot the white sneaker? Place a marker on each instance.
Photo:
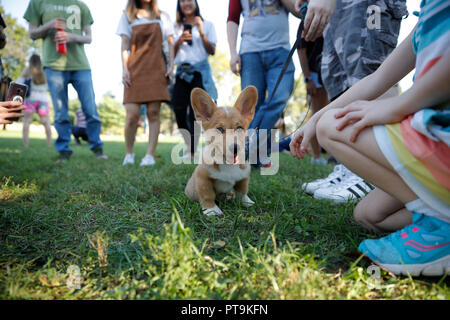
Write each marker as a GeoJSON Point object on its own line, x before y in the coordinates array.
{"type": "Point", "coordinates": [320, 161]}
{"type": "Point", "coordinates": [129, 159]}
{"type": "Point", "coordinates": [333, 179]}
{"type": "Point", "coordinates": [148, 160]}
{"type": "Point", "coordinates": [352, 188]}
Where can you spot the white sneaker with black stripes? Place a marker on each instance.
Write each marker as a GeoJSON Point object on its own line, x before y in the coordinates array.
{"type": "Point", "coordinates": [352, 188]}
{"type": "Point", "coordinates": [335, 178]}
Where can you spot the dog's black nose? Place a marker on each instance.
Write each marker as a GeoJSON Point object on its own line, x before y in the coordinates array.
{"type": "Point", "coordinates": [235, 149]}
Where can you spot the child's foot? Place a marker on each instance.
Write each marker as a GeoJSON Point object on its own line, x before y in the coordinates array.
{"type": "Point", "coordinates": [420, 248]}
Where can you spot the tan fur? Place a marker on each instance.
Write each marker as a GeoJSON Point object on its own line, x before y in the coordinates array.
{"type": "Point", "coordinates": [213, 177]}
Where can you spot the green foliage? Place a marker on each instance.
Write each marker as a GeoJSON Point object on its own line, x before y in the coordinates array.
{"type": "Point", "coordinates": [297, 106]}
{"type": "Point", "coordinates": [18, 46]}
{"type": "Point", "coordinates": [228, 85]}
{"type": "Point", "coordinates": [134, 234]}
{"type": "Point", "coordinates": [112, 114]}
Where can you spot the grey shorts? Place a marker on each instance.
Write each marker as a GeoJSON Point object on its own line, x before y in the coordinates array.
{"type": "Point", "coordinates": [359, 37]}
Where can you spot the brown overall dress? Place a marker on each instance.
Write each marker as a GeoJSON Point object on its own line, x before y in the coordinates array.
{"type": "Point", "coordinates": [146, 66]}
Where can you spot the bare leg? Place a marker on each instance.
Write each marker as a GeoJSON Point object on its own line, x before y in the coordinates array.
{"type": "Point", "coordinates": [27, 119]}
{"type": "Point", "coordinates": [48, 130]}
{"type": "Point", "coordinates": [366, 159]}
{"type": "Point", "coordinates": [132, 118]}
{"type": "Point", "coordinates": [319, 100]}
{"type": "Point", "coordinates": [388, 215]}
{"type": "Point", "coordinates": [154, 124]}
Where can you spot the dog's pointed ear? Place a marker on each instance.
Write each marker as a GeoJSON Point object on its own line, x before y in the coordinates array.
{"type": "Point", "coordinates": [246, 103]}
{"type": "Point", "coordinates": [204, 107]}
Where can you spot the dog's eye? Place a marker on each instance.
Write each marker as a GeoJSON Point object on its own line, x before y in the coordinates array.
{"type": "Point", "coordinates": [239, 128]}
{"type": "Point", "coordinates": [221, 130]}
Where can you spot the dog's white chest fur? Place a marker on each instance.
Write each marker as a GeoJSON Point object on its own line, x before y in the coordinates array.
{"type": "Point", "coordinates": [227, 176]}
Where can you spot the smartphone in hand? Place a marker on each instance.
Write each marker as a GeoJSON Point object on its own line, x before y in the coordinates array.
{"type": "Point", "coordinates": [17, 92]}
{"type": "Point", "coordinates": [188, 27]}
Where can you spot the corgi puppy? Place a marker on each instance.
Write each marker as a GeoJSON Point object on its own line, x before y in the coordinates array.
{"type": "Point", "coordinates": [223, 168]}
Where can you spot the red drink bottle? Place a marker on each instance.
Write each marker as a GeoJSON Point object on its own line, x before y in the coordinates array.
{"type": "Point", "coordinates": [61, 47]}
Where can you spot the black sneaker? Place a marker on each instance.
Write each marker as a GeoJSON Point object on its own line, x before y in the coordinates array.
{"type": "Point", "coordinates": [98, 152]}
{"type": "Point", "coordinates": [64, 156]}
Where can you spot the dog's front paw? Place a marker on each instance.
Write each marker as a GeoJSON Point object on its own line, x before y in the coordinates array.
{"type": "Point", "coordinates": [246, 201]}
{"type": "Point", "coordinates": [214, 211]}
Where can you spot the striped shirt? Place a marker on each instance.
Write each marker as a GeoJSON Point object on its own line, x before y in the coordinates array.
{"type": "Point", "coordinates": [418, 148]}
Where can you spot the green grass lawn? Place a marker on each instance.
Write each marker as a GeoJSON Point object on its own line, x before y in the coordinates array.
{"type": "Point", "coordinates": [133, 234]}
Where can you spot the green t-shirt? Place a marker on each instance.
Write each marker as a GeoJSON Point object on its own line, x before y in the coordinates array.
{"type": "Point", "coordinates": [77, 16]}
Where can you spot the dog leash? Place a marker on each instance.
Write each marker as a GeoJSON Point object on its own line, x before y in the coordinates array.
{"type": "Point", "coordinates": [303, 11]}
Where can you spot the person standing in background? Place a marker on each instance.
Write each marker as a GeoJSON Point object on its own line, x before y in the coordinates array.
{"type": "Point", "coordinates": [65, 27]}
{"type": "Point", "coordinates": [264, 48]}
{"type": "Point", "coordinates": [310, 56]}
{"type": "Point", "coordinates": [37, 99]}
{"type": "Point", "coordinates": [195, 41]}
{"type": "Point", "coordinates": [147, 61]}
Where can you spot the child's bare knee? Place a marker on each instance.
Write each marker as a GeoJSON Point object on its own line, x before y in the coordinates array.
{"type": "Point", "coordinates": [325, 128]}
{"type": "Point", "coordinates": [360, 214]}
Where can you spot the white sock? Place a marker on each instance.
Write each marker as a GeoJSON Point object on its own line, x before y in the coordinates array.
{"type": "Point", "coordinates": [419, 206]}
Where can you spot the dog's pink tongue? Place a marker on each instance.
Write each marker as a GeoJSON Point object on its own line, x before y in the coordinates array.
{"type": "Point", "coordinates": [236, 159]}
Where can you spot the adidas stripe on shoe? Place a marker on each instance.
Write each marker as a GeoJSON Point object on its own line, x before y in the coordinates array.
{"type": "Point", "coordinates": [353, 188]}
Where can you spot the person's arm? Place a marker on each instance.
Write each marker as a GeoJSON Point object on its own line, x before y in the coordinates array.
{"type": "Point", "coordinates": [40, 32]}
{"type": "Point", "coordinates": [430, 90]}
{"type": "Point", "coordinates": [290, 5]}
{"type": "Point", "coordinates": [185, 36]}
{"type": "Point", "coordinates": [169, 72]}
{"type": "Point", "coordinates": [234, 14]}
{"type": "Point", "coordinates": [67, 37]}
{"type": "Point", "coordinates": [125, 53]}
{"type": "Point", "coordinates": [235, 59]}
{"type": "Point", "coordinates": [209, 47]}
{"type": "Point", "coordinates": [396, 66]}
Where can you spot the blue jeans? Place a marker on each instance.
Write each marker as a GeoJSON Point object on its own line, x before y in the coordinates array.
{"type": "Point", "coordinates": [81, 80]}
{"type": "Point", "coordinates": [261, 69]}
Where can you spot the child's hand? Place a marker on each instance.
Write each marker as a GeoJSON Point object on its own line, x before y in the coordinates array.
{"type": "Point", "coordinates": [10, 109]}
{"type": "Point", "coordinates": [362, 114]}
{"type": "Point", "coordinates": [302, 137]}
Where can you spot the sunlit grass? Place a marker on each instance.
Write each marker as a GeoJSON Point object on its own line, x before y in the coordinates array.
{"type": "Point", "coordinates": [133, 233]}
